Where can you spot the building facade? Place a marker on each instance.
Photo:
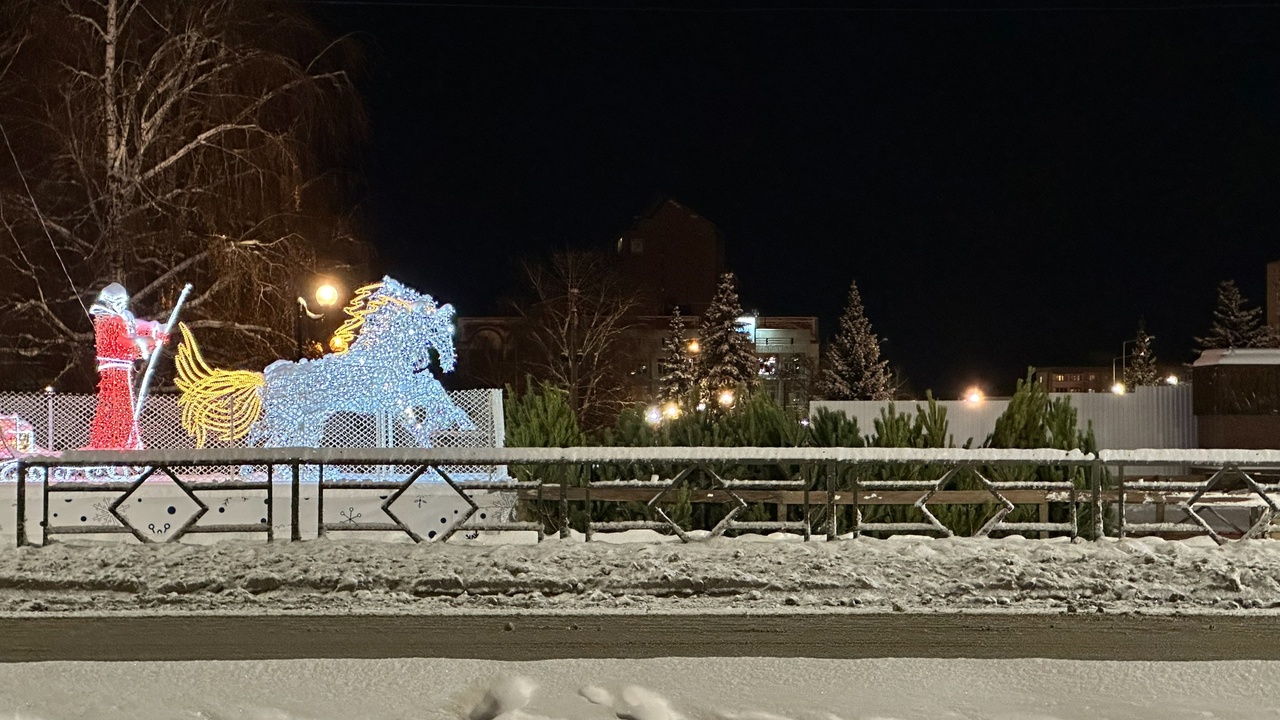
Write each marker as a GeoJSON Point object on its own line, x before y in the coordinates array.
{"type": "Point", "coordinates": [674, 256]}
{"type": "Point", "coordinates": [1075, 379]}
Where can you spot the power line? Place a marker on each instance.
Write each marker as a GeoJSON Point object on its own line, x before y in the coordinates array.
{"type": "Point", "coordinates": [800, 8]}
{"type": "Point", "coordinates": [43, 223]}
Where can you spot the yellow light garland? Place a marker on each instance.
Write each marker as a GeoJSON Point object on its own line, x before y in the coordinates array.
{"type": "Point", "coordinates": [359, 308]}
{"type": "Point", "coordinates": [221, 403]}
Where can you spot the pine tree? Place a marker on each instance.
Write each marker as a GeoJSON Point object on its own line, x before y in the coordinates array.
{"type": "Point", "coordinates": [677, 377]}
{"type": "Point", "coordinates": [852, 368]}
{"type": "Point", "coordinates": [727, 358]}
{"type": "Point", "coordinates": [1141, 369]}
{"type": "Point", "coordinates": [1235, 324]}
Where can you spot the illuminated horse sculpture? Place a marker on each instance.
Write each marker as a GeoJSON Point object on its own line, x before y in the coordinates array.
{"type": "Point", "coordinates": [383, 367]}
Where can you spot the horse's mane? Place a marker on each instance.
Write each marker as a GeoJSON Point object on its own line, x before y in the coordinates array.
{"type": "Point", "coordinates": [368, 300]}
{"type": "Point", "coordinates": [360, 307]}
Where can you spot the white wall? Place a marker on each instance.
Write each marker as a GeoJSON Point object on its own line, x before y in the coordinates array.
{"type": "Point", "coordinates": [1149, 417]}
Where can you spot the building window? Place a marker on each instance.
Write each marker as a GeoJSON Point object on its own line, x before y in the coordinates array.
{"type": "Point", "coordinates": [637, 246]}
{"type": "Point", "coordinates": [1059, 378]}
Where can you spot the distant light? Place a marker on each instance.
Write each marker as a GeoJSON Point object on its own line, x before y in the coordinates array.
{"type": "Point", "coordinates": [1118, 388]}
{"type": "Point", "coordinates": [804, 422]}
{"type": "Point", "coordinates": [726, 397]}
{"type": "Point", "coordinates": [694, 346]}
{"type": "Point", "coordinates": [702, 406]}
{"type": "Point", "coordinates": [48, 389]}
{"type": "Point", "coordinates": [653, 415]}
{"type": "Point", "coordinates": [1172, 380]}
{"type": "Point", "coordinates": [973, 396]}
{"type": "Point", "coordinates": [671, 411]}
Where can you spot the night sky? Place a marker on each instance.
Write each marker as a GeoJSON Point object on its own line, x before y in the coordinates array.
{"type": "Point", "coordinates": [1007, 187]}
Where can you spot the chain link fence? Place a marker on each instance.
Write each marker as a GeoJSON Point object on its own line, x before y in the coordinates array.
{"type": "Point", "coordinates": [60, 421]}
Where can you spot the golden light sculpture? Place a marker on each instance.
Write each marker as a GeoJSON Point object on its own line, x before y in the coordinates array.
{"type": "Point", "coordinates": [357, 310]}
{"type": "Point", "coordinates": [218, 403]}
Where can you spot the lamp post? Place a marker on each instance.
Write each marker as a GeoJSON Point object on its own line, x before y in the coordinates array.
{"type": "Point", "coordinates": [326, 296]}
{"type": "Point", "coordinates": [1121, 357]}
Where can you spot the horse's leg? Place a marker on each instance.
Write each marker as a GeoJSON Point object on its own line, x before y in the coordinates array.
{"type": "Point", "coordinates": [421, 432]}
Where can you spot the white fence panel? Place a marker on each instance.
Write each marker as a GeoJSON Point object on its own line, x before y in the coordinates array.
{"type": "Point", "coordinates": [60, 421]}
{"type": "Point", "coordinates": [1149, 417]}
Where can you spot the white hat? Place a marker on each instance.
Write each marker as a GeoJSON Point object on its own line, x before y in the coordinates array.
{"type": "Point", "coordinates": [113, 299]}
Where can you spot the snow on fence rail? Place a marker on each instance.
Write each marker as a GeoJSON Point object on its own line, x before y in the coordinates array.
{"type": "Point", "coordinates": [163, 495]}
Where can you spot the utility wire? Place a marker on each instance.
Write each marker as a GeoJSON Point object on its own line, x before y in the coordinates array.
{"type": "Point", "coordinates": [800, 8]}
{"type": "Point", "coordinates": [43, 226]}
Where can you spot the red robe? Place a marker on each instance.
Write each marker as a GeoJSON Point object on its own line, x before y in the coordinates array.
{"type": "Point", "coordinates": [116, 341]}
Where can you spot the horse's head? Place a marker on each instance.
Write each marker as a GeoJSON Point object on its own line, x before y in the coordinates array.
{"type": "Point", "coordinates": [435, 328]}
{"type": "Point", "coordinates": [407, 325]}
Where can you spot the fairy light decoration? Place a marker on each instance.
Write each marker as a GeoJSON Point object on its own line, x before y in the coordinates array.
{"type": "Point", "coordinates": [392, 337]}
{"type": "Point", "coordinates": [222, 404]}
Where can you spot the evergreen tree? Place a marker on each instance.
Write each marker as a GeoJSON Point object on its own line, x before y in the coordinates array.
{"type": "Point", "coordinates": [1235, 324]}
{"type": "Point", "coordinates": [1141, 369]}
{"type": "Point", "coordinates": [727, 358]}
{"type": "Point", "coordinates": [677, 377]}
{"type": "Point", "coordinates": [852, 368]}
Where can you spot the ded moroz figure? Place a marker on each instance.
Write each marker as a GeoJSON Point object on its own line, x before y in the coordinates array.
{"type": "Point", "coordinates": [120, 340]}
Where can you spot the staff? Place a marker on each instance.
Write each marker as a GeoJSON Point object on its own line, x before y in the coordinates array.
{"type": "Point", "coordinates": [151, 362]}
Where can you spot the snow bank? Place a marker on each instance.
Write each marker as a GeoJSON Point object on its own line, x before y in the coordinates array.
{"type": "Point", "coordinates": [908, 573]}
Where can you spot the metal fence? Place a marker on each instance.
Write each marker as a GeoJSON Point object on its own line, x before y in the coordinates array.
{"type": "Point", "coordinates": [163, 495]}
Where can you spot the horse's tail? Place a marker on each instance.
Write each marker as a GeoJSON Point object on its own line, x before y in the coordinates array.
{"type": "Point", "coordinates": [221, 403]}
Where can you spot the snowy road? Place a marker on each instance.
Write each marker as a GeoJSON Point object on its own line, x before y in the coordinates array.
{"type": "Point", "coordinates": [654, 689]}
{"type": "Point", "coordinates": [538, 636]}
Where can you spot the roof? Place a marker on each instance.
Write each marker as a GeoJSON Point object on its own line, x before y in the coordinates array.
{"type": "Point", "coordinates": [1238, 356]}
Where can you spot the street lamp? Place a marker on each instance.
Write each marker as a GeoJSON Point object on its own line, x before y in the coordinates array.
{"type": "Point", "coordinates": [326, 296]}
{"type": "Point", "coordinates": [1121, 357]}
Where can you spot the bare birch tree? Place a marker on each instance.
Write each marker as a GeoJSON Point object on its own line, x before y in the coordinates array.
{"type": "Point", "coordinates": [574, 321]}
{"type": "Point", "coordinates": [159, 142]}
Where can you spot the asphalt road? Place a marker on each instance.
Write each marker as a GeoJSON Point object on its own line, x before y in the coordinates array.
{"type": "Point", "coordinates": [30, 638]}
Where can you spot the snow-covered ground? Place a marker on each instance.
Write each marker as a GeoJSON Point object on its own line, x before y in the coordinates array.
{"type": "Point", "coordinates": [656, 689]}
{"type": "Point", "coordinates": [914, 574]}
{"type": "Point", "coordinates": [647, 572]}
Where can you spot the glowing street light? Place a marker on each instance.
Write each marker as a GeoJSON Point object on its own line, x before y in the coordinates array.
{"type": "Point", "coordinates": [694, 347]}
{"type": "Point", "coordinates": [726, 398]}
{"type": "Point", "coordinates": [327, 295]}
{"type": "Point", "coordinates": [671, 411]}
{"type": "Point", "coordinates": [653, 415]}
{"type": "Point", "coordinates": [1118, 388]}
{"type": "Point", "coordinates": [1172, 380]}
{"type": "Point", "coordinates": [973, 396]}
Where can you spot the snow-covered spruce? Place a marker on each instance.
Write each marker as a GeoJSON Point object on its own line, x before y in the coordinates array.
{"type": "Point", "coordinates": [1235, 323]}
{"type": "Point", "coordinates": [727, 358]}
{"type": "Point", "coordinates": [677, 377]}
{"type": "Point", "coordinates": [852, 368]}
